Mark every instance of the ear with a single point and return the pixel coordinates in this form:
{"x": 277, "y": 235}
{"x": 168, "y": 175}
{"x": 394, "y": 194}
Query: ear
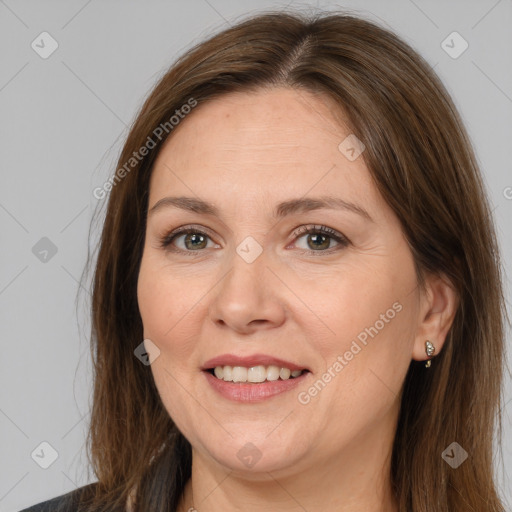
{"x": 438, "y": 305}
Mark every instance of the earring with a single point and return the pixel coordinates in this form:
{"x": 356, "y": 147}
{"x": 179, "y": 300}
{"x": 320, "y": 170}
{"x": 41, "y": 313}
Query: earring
{"x": 429, "y": 349}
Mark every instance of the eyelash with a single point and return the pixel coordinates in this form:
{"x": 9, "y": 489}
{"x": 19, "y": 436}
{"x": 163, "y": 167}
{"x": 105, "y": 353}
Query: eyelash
{"x": 166, "y": 241}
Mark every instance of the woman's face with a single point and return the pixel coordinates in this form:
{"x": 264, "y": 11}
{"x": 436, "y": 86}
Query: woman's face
{"x": 249, "y": 288}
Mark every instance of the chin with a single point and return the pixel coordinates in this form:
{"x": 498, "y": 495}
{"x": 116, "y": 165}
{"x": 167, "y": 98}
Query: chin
{"x": 255, "y": 459}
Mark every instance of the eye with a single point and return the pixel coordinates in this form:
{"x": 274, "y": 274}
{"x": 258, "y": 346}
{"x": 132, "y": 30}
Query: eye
{"x": 193, "y": 240}
{"x": 319, "y": 238}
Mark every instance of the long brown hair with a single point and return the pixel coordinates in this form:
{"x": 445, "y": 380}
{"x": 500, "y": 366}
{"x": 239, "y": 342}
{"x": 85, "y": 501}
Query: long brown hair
{"x": 422, "y": 162}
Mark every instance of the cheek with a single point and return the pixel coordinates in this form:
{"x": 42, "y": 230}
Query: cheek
{"x": 371, "y": 325}
{"x": 166, "y": 313}
{"x": 153, "y": 302}
{"x": 353, "y": 305}
{"x": 365, "y": 363}
{"x": 166, "y": 308}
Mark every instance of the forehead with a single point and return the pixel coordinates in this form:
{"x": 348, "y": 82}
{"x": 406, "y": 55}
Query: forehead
{"x": 277, "y": 121}
{"x": 270, "y": 144}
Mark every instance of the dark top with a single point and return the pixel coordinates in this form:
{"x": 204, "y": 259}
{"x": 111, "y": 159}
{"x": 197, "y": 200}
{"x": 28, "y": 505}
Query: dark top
{"x": 63, "y": 503}
{"x": 47, "y": 506}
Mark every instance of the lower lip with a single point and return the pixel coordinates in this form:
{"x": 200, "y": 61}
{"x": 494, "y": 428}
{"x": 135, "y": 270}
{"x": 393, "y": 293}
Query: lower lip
{"x": 257, "y": 392}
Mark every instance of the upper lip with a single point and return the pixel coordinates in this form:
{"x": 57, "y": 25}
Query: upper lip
{"x": 250, "y": 361}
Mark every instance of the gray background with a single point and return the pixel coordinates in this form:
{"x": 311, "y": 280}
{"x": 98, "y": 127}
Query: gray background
{"x": 62, "y": 123}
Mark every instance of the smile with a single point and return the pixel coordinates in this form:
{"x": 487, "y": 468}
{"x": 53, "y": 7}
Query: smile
{"x": 254, "y": 374}
{"x": 252, "y": 378}
{"x": 243, "y": 390}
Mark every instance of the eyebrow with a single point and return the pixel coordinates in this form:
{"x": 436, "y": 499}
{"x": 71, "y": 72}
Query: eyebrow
{"x": 283, "y": 209}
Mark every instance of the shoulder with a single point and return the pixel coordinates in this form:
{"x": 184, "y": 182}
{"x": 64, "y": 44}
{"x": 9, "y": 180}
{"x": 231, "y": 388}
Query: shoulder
{"x": 67, "y": 502}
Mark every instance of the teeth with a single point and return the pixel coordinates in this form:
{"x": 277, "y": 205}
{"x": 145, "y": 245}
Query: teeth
{"x": 254, "y": 374}
{"x": 239, "y": 374}
{"x": 227, "y": 373}
{"x": 273, "y": 373}
{"x": 284, "y": 373}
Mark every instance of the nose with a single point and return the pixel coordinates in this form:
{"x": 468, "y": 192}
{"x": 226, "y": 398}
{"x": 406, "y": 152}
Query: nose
{"x": 248, "y": 297}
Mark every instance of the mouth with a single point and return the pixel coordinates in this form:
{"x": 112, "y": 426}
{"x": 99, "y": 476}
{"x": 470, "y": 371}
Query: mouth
{"x": 254, "y": 374}
{"x": 252, "y": 378}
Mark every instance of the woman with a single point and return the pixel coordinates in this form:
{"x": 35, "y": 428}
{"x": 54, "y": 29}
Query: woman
{"x": 297, "y": 300}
